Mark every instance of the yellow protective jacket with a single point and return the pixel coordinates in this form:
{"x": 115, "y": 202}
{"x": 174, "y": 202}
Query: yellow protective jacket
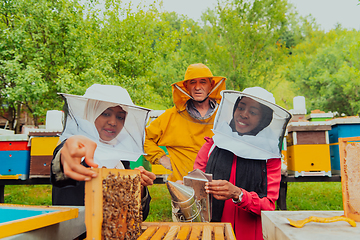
{"x": 181, "y": 134}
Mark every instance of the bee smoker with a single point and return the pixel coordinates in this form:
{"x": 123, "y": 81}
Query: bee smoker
{"x": 190, "y": 201}
{"x": 197, "y": 179}
{"x": 185, "y": 208}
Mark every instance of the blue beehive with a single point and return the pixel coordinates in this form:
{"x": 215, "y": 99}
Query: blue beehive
{"x": 14, "y": 156}
{"x": 341, "y": 128}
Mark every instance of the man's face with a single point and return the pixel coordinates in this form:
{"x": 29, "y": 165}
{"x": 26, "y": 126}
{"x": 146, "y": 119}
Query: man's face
{"x": 199, "y": 88}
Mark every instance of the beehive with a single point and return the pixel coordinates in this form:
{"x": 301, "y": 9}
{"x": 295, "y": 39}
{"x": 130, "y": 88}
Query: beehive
{"x": 350, "y": 177}
{"x": 113, "y": 205}
{"x": 41, "y": 152}
{"x": 186, "y": 231}
{"x": 14, "y": 156}
{"x": 341, "y": 128}
{"x": 308, "y": 152}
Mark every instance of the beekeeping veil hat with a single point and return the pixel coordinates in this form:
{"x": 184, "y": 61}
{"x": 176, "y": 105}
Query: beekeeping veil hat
{"x": 262, "y": 143}
{"x": 84, "y": 110}
{"x": 181, "y": 94}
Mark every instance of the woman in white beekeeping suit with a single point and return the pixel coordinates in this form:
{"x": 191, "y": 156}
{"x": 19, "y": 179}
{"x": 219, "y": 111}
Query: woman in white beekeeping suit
{"x": 103, "y": 129}
{"x": 244, "y": 157}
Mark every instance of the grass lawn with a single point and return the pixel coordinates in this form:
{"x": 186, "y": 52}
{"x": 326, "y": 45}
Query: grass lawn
{"x": 28, "y": 194}
{"x": 314, "y": 196}
{"x": 300, "y": 196}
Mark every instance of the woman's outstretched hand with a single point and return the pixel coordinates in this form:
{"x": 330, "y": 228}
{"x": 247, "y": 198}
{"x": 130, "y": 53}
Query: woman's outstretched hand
{"x": 222, "y": 190}
{"x": 75, "y": 148}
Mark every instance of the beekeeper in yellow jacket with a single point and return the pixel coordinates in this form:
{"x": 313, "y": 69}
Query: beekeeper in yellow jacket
{"x": 182, "y": 128}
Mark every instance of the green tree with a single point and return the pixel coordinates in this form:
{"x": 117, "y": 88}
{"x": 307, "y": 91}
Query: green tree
{"x": 243, "y": 40}
{"x": 22, "y": 87}
{"x": 325, "y": 69}
{"x": 40, "y": 41}
{"x": 191, "y": 48}
{"x": 126, "y": 46}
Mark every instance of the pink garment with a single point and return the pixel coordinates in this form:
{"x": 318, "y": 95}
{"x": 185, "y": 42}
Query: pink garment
{"x": 245, "y": 217}
{"x": 203, "y": 155}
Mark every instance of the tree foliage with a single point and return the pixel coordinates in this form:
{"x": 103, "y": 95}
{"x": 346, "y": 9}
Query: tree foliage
{"x": 326, "y": 70}
{"x": 243, "y": 39}
{"x": 40, "y": 39}
{"x": 49, "y": 46}
{"x": 59, "y": 46}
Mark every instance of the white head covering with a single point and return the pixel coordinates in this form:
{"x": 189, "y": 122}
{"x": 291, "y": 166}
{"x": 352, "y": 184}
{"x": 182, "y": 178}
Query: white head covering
{"x": 266, "y": 143}
{"x": 84, "y": 110}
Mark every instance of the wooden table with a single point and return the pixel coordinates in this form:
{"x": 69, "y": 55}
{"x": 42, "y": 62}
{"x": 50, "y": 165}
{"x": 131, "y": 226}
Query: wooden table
{"x": 281, "y": 202}
{"x": 276, "y": 227}
{"x": 31, "y": 181}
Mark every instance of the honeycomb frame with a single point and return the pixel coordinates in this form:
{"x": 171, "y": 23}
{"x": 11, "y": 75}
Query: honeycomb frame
{"x": 113, "y": 204}
{"x": 349, "y": 149}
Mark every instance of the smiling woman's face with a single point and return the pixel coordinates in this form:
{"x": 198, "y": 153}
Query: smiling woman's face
{"x": 110, "y": 122}
{"x": 247, "y": 115}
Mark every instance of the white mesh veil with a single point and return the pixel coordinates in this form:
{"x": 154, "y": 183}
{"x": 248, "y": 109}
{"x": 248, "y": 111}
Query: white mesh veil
{"x": 84, "y": 110}
{"x": 262, "y": 145}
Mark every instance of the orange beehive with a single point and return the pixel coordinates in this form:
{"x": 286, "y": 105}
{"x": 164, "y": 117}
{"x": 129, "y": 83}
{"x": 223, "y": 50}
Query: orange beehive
{"x": 350, "y": 176}
{"x": 113, "y": 205}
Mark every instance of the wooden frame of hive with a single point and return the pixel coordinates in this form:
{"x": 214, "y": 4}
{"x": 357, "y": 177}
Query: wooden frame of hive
{"x": 350, "y": 176}
{"x": 102, "y": 196}
{"x": 186, "y": 231}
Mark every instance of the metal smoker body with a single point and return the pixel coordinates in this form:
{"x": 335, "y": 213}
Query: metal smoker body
{"x": 190, "y": 201}
{"x": 185, "y": 207}
{"x": 196, "y": 179}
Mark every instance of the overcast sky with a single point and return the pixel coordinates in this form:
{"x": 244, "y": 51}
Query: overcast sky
{"x": 326, "y": 12}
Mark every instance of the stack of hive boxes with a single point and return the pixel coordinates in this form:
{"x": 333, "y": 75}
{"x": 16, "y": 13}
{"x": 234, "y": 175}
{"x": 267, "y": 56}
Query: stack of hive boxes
{"x": 14, "y": 156}
{"x": 308, "y": 149}
{"x": 42, "y": 148}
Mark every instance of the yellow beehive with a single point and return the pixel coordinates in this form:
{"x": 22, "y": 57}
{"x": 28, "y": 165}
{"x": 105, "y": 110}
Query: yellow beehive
{"x": 309, "y": 158}
{"x": 41, "y": 153}
{"x": 160, "y": 170}
{"x": 308, "y": 151}
{"x": 43, "y": 146}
